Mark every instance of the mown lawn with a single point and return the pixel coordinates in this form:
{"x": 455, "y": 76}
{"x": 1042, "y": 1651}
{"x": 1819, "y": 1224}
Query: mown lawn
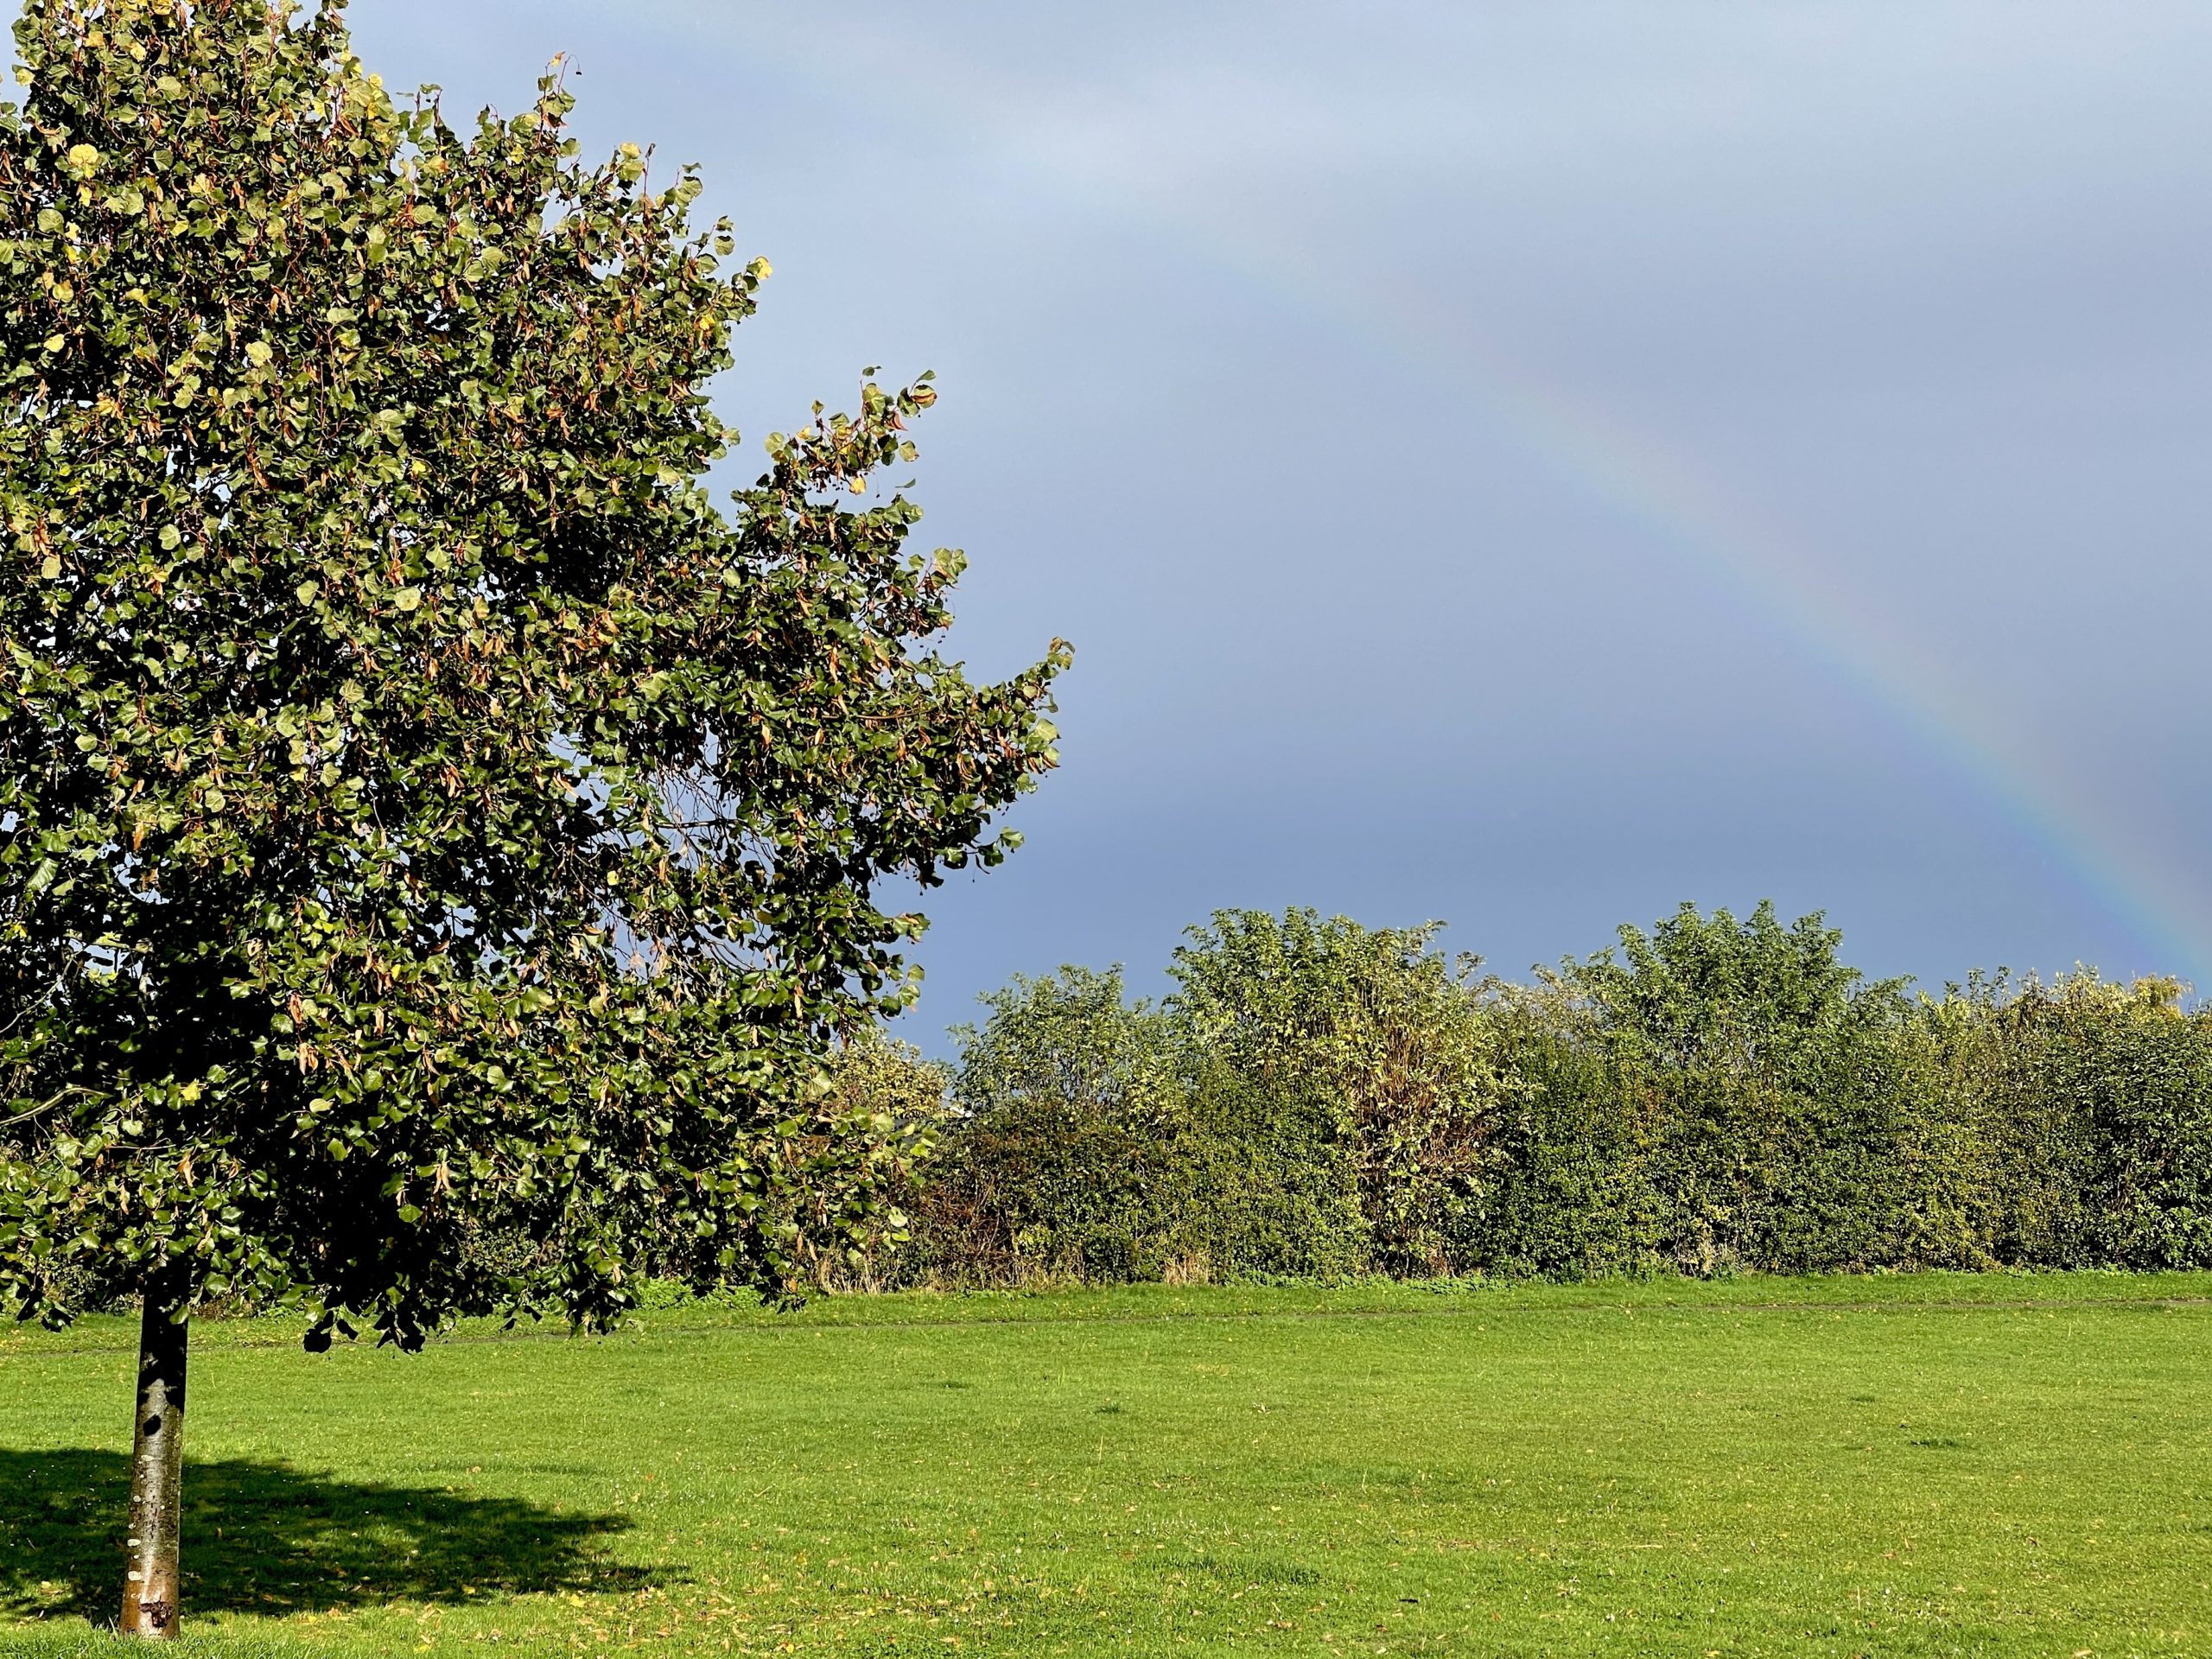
{"x": 1931, "y": 1465}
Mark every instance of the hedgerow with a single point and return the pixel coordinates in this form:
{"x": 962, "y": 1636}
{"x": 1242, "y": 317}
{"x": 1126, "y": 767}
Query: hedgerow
{"x": 1715, "y": 1096}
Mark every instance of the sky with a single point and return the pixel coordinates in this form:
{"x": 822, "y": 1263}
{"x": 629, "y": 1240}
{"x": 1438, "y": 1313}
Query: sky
{"x": 1520, "y": 466}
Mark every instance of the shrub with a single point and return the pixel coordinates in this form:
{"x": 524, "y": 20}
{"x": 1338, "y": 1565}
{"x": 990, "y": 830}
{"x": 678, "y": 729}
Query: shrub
{"x": 1092, "y": 1141}
{"x": 2119, "y": 1081}
{"x": 1721, "y": 1094}
{"x": 1380, "y": 1037}
{"x": 1060, "y": 1160}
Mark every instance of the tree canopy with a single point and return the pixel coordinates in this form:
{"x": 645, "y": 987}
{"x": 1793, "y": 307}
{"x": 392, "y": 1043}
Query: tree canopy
{"x": 423, "y": 807}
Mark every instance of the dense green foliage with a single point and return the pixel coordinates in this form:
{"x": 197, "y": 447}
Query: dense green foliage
{"x": 1378, "y": 1039}
{"x": 1716, "y": 1094}
{"x": 423, "y": 812}
{"x": 1092, "y": 1141}
{"x": 1907, "y": 1466}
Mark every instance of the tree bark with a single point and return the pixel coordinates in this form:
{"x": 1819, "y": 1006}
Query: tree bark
{"x": 151, "y": 1591}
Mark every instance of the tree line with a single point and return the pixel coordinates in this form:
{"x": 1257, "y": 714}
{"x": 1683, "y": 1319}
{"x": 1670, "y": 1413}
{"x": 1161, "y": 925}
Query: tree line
{"x": 1714, "y": 1095}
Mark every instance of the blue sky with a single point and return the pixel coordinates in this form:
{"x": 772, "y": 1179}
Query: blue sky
{"x": 1520, "y": 465}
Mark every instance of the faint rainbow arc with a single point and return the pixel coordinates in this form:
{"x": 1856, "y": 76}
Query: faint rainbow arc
{"x": 2154, "y": 896}
{"x": 1643, "y": 480}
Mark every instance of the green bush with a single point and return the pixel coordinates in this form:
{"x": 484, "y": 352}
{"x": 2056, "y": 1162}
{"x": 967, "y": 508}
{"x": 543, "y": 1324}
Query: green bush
{"x": 1092, "y": 1141}
{"x": 2124, "y": 1079}
{"x": 1373, "y": 1036}
{"x": 1721, "y": 1095}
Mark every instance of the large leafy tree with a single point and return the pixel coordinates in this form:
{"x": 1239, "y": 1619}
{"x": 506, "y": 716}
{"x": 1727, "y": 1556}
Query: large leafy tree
{"x": 422, "y": 809}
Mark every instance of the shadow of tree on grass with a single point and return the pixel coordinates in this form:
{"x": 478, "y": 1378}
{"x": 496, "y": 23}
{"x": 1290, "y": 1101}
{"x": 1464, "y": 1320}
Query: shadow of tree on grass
{"x": 265, "y": 1538}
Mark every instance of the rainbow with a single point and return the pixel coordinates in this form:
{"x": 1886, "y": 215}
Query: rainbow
{"x": 2109, "y": 857}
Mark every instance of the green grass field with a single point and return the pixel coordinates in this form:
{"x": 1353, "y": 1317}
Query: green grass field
{"x": 1929, "y": 1465}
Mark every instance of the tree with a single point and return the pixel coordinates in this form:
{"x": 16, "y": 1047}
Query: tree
{"x": 422, "y": 809}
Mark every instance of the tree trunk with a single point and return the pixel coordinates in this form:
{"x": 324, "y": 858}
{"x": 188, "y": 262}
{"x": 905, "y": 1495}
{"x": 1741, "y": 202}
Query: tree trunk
{"x": 150, "y": 1592}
